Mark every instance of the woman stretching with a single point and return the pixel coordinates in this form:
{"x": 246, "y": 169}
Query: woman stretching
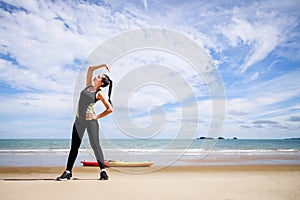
{"x": 87, "y": 119}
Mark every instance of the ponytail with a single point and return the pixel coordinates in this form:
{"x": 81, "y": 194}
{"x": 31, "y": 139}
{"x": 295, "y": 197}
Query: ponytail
{"x": 107, "y": 81}
{"x": 109, "y": 91}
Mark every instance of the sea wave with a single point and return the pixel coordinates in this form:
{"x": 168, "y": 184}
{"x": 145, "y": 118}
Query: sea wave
{"x": 157, "y": 151}
{"x": 38, "y": 151}
{"x": 204, "y": 151}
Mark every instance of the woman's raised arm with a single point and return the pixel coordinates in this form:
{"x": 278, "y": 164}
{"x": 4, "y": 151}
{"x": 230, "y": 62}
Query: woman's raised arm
{"x": 90, "y": 71}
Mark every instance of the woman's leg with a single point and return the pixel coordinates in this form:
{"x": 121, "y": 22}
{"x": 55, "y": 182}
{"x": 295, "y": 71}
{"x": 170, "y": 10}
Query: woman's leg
{"x": 77, "y": 134}
{"x": 93, "y": 132}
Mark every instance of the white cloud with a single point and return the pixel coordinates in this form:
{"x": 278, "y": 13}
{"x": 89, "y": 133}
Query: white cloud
{"x": 47, "y": 44}
{"x": 43, "y": 45}
{"x": 262, "y": 35}
{"x": 146, "y": 4}
{"x": 36, "y": 128}
{"x": 254, "y": 76}
{"x": 53, "y": 35}
{"x": 273, "y": 100}
{"x": 36, "y": 115}
{"x": 35, "y": 105}
{"x": 276, "y": 90}
{"x": 58, "y": 80}
{"x": 255, "y": 29}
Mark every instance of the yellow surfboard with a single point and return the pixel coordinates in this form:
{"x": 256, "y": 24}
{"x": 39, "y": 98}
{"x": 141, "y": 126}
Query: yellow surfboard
{"x": 119, "y": 163}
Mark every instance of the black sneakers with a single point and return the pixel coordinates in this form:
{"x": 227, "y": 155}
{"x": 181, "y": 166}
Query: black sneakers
{"x": 103, "y": 175}
{"x": 68, "y": 176}
{"x": 65, "y": 176}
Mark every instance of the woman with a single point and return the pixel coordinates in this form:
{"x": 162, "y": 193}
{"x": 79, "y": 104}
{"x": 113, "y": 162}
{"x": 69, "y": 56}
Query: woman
{"x": 87, "y": 119}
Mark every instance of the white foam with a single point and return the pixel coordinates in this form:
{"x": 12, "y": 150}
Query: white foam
{"x": 158, "y": 151}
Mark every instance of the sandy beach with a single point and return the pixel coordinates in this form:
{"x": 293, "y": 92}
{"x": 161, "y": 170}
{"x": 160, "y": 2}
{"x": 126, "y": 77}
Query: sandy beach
{"x": 182, "y": 182}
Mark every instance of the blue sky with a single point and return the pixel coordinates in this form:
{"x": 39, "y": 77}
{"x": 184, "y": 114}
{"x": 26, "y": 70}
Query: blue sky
{"x": 254, "y": 44}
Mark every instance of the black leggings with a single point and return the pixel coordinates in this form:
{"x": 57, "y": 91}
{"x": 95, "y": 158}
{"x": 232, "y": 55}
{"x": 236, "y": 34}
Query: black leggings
{"x": 79, "y": 127}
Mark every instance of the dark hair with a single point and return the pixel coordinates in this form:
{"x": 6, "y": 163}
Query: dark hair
{"x": 107, "y": 81}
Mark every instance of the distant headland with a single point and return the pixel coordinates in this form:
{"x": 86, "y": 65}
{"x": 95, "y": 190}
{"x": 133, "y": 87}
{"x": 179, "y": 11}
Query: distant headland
{"x": 211, "y": 138}
{"x": 292, "y": 138}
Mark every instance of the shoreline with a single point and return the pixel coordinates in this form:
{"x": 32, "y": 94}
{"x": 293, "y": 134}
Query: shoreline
{"x": 195, "y": 168}
{"x": 53, "y": 160}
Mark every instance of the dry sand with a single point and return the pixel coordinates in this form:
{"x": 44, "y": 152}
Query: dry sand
{"x": 204, "y": 182}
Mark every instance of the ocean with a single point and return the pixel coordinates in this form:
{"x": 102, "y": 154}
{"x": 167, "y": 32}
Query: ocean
{"x": 164, "y": 152}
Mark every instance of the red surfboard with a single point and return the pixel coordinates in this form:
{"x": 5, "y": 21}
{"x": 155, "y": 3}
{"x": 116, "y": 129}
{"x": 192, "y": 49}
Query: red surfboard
{"x": 118, "y": 163}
